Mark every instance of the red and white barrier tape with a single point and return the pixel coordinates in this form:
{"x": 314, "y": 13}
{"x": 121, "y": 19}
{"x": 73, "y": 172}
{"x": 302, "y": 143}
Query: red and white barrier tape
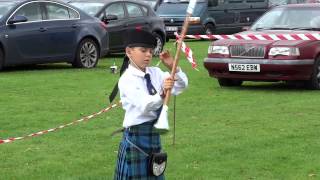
{"x": 188, "y": 52}
{"x": 291, "y": 37}
{"x": 2, "y": 141}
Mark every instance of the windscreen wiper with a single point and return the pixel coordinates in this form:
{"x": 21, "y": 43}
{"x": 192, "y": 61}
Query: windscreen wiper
{"x": 307, "y": 28}
{"x": 273, "y": 28}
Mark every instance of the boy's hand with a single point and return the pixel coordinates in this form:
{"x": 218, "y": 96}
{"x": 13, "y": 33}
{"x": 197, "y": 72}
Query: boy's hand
{"x": 166, "y": 59}
{"x": 168, "y": 83}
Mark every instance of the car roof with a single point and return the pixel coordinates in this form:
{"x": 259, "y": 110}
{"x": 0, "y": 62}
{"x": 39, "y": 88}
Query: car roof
{"x": 107, "y": 1}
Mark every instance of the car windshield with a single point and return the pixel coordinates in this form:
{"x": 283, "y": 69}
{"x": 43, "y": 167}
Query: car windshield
{"x": 283, "y": 2}
{"x": 289, "y": 18}
{"x": 91, "y": 8}
{"x": 5, "y": 7}
{"x": 176, "y": 7}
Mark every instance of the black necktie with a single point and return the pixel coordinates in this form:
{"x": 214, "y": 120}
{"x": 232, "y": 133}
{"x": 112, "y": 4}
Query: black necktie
{"x": 151, "y": 89}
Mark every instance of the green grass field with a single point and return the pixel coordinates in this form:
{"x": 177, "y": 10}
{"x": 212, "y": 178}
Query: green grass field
{"x": 257, "y": 131}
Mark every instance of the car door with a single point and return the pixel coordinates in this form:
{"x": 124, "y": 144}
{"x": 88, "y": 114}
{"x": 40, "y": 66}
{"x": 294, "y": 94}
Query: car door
{"x": 222, "y": 11}
{"x": 116, "y": 28}
{"x": 61, "y": 26}
{"x": 136, "y": 18}
{"x": 27, "y": 40}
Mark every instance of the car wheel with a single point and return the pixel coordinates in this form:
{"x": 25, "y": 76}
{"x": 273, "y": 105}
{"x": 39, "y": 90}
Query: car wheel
{"x": 314, "y": 82}
{"x": 209, "y": 29}
{"x": 1, "y": 59}
{"x": 87, "y": 54}
{"x": 229, "y": 82}
{"x": 158, "y": 49}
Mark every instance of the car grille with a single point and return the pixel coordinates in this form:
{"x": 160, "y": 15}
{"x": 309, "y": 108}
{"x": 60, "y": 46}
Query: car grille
{"x": 167, "y": 22}
{"x": 247, "y": 51}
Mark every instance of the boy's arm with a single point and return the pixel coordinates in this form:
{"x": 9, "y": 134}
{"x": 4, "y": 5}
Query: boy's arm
{"x": 180, "y": 77}
{"x": 181, "y": 81}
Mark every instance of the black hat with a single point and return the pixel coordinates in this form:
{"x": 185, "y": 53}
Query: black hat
{"x": 140, "y": 38}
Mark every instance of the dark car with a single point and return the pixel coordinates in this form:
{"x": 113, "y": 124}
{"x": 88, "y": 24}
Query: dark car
{"x": 123, "y": 15}
{"x": 36, "y": 31}
{"x": 235, "y": 61}
{"x": 154, "y": 4}
{"x": 211, "y": 16}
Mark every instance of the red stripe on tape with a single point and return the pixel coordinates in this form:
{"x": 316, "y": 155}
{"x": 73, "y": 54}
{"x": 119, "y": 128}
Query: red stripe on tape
{"x": 311, "y": 37}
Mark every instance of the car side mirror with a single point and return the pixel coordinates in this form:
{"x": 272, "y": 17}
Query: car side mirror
{"x": 109, "y": 17}
{"x": 17, "y": 19}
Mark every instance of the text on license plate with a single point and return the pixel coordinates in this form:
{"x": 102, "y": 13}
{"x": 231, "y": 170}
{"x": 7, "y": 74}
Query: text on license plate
{"x": 244, "y": 67}
{"x": 171, "y": 28}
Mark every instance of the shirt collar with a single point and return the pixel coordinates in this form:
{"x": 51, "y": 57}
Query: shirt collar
{"x": 136, "y": 71}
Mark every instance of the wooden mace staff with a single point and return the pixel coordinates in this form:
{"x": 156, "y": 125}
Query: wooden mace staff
{"x": 162, "y": 123}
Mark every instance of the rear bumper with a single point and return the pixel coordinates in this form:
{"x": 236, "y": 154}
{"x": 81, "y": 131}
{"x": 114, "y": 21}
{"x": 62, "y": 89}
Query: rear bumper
{"x": 270, "y": 70}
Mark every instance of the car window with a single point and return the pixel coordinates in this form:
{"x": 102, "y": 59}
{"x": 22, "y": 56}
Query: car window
{"x": 145, "y": 10}
{"x": 31, "y": 11}
{"x": 134, "y": 10}
{"x": 73, "y": 14}
{"x": 5, "y": 7}
{"x": 115, "y": 9}
{"x": 57, "y": 11}
{"x": 92, "y": 8}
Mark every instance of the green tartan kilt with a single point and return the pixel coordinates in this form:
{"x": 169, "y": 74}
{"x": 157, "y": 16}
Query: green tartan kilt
{"x": 133, "y": 164}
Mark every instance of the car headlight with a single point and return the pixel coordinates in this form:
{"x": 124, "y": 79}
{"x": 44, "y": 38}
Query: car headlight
{"x": 284, "y": 51}
{"x": 194, "y": 20}
{"x": 218, "y": 50}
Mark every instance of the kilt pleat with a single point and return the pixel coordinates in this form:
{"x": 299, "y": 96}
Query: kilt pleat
{"x": 133, "y": 164}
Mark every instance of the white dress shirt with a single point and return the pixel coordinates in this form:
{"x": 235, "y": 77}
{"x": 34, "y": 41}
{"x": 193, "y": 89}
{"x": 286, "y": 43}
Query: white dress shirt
{"x": 141, "y": 107}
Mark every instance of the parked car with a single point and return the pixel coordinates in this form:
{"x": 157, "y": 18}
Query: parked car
{"x": 123, "y": 15}
{"x": 211, "y": 16}
{"x": 154, "y": 4}
{"x": 46, "y": 31}
{"x": 235, "y": 61}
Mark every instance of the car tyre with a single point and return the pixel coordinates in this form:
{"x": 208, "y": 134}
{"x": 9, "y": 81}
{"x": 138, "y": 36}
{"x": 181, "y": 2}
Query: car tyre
{"x": 314, "y": 82}
{"x": 160, "y": 43}
{"x": 1, "y": 59}
{"x": 87, "y": 54}
{"x": 209, "y": 29}
{"x": 229, "y": 82}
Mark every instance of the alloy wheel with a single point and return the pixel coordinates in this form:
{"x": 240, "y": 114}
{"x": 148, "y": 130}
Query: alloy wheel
{"x": 318, "y": 75}
{"x": 88, "y": 55}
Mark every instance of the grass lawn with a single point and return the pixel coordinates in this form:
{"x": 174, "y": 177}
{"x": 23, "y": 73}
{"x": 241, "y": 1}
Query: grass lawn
{"x": 256, "y": 131}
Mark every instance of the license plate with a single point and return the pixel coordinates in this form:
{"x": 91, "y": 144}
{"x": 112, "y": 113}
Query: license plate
{"x": 244, "y": 67}
{"x": 171, "y": 28}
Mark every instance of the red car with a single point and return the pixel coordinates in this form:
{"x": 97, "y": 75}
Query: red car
{"x": 235, "y": 61}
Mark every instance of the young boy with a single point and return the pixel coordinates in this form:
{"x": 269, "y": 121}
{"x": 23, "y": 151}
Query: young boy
{"x": 142, "y": 89}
